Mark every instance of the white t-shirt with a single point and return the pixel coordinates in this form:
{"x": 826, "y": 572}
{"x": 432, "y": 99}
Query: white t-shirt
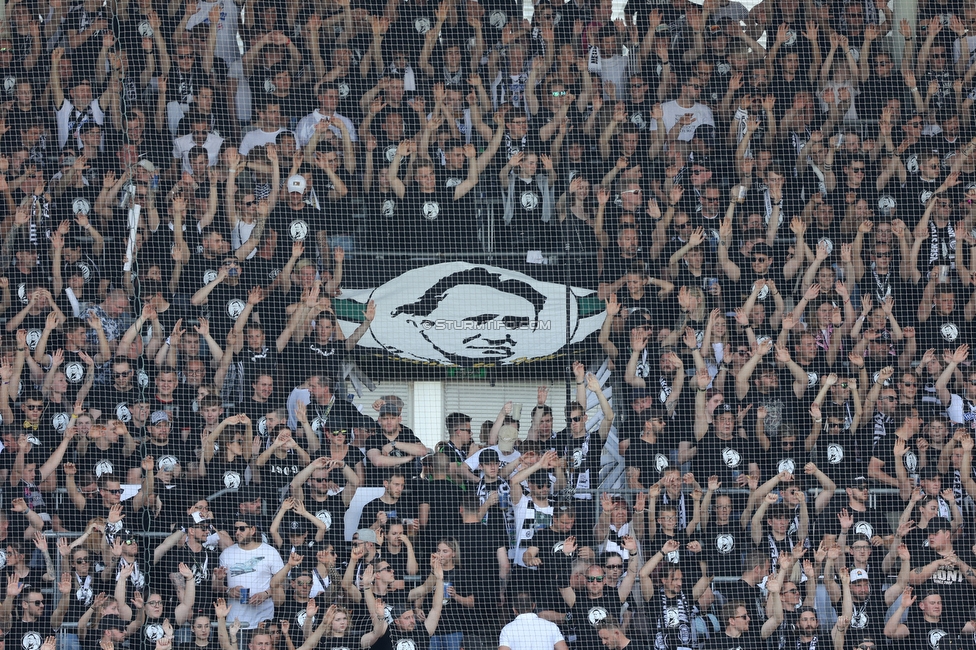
{"x": 305, "y": 128}
{"x": 251, "y": 570}
{"x": 227, "y": 27}
{"x": 183, "y": 145}
{"x": 529, "y": 632}
{"x": 672, "y": 111}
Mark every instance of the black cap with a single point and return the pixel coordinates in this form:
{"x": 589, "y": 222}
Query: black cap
{"x": 488, "y": 456}
{"x": 112, "y": 622}
{"x": 639, "y": 393}
{"x": 297, "y": 527}
{"x": 936, "y": 524}
{"x": 248, "y": 520}
{"x": 859, "y": 482}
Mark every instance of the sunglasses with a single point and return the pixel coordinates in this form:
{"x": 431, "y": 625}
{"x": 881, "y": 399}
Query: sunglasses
{"x": 613, "y": 566}
{"x": 558, "y": 93}
{"x": 81, "y": 560}
{"x": 241, "y": 527}
{"x": 892, "y": 398}
{"x": 116, "y": 491}
{"x": 594, "y": 578}
{"x": 576, "y": 418}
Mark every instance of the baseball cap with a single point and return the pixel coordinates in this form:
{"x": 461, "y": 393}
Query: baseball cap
{"x": 147, "y": 165}
{"x": 248, "y": 520}
{"x": 248, "y": 494}
{"x": 297, "y": 527}
{"x": 389, "y": 409}
{"x": 112, "y": 622}
{"x": 297, "y": 184}
{"x": 366, "y": 535}
{"x": 394, "y": 401}
{"x": 488, "y": 456}
{"x": 159, "y": 416}
{"x": 507, "y": 436}
{"x": 639, "y": 393}
{"x": 859, "y": 482}
{"x": 858, "y": 574}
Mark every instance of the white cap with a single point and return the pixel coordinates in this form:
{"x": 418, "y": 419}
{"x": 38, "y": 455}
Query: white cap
{"x": 297, "y": 184}
{"x": 858, "y": 574}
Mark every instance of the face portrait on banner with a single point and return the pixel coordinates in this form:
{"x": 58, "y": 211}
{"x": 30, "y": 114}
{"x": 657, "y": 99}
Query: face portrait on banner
{"x": 460, "y": 314}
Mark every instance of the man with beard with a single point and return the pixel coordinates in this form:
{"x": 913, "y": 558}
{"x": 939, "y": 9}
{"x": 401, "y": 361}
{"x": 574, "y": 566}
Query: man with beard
{"x": 197, "y": 549}
{"x": 250, "y": 564}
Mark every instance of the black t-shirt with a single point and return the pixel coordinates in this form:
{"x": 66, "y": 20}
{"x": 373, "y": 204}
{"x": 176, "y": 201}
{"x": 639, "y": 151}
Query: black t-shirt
{"x": 224, "y": 304}
{"x": 870, "y": 523}
{"x": 869, "y": 617}
{"x": 722, "y": 641}
{"x": 30, "y": 635}
{"x": 839, "y": 455}
{"x": 926, "y": 636}
{"x": 725, "y": 458}
{"x": 107, "y": 461}
{"x": 950, "y": 583}
{"x": 395, "y": 638}
{"x": 884, "y": 450}
{"x": 650, "y": 458}
{"x": 202, "y": 564}
{"x": 399, "y": 510}
{"x": 587, "y": 612}
{"x": 944, "y": 331}
{"x": 427, "y": 220}
{"x": 316, "y": 358}
{"x": 442, "y": 497}
{"x": 723, "y": 547}
{"x": 376, "y": 475}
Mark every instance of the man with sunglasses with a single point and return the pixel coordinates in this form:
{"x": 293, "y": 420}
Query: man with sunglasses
{"x": 596, "y": 603}
{"x": 331, "y": 487}
{"x": 195, "y": 545}
{"x": 580, "y": 449}
{"x": 250, "y": 564}
{"x": 856, "y": 517}
{"x": 30, "y": 624}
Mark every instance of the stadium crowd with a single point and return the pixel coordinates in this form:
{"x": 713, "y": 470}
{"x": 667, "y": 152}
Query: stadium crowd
{"x": 776, "y": 205}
